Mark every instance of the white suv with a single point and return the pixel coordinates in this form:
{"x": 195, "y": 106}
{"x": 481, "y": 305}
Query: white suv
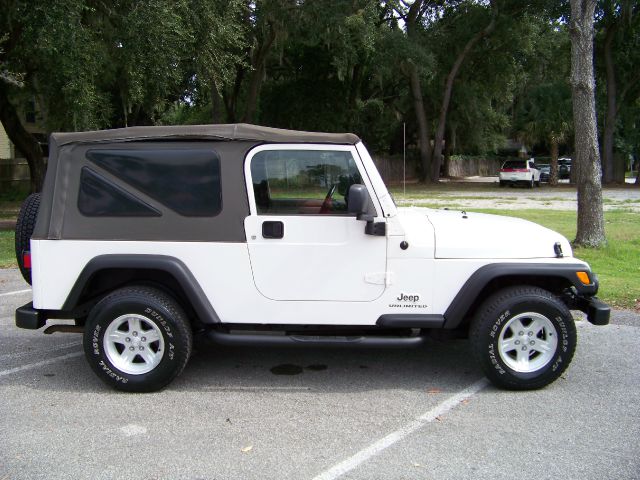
{"x": 520, "y": 172}
{"x": 147, "y": 236}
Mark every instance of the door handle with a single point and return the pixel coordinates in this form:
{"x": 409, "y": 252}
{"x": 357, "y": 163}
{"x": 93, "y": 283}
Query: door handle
{"x": 273, "y": 229}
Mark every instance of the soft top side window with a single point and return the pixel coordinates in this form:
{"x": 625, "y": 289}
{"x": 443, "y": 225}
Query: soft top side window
{"x": 185, "y": 180}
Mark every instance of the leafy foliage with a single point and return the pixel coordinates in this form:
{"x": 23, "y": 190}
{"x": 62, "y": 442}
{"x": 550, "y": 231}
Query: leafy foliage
{"x": 335, "y": 65}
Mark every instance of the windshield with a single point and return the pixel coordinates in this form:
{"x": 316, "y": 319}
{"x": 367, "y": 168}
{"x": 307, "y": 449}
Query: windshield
{"x": 515, "y": 164}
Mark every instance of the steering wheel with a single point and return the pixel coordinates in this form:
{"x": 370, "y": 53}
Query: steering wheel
{"x": 327, "y": 203}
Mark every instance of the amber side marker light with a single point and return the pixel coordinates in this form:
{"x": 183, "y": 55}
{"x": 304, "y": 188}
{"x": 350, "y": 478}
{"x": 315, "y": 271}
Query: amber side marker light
{"x": 584, "y": 278}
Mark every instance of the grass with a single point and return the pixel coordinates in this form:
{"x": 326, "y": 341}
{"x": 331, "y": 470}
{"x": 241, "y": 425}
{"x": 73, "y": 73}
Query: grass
{"x": 629, "y": 201}
{"x": 617, "y": 264}
{"x": 7, "y": 250}
{"x": 552, "y": 199}
{"x": 419, "y": 190}
{"x": 447, "y": 197}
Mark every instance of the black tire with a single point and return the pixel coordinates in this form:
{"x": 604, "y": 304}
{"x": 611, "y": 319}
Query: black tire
{"x": 530, "y": 185}
{"x": 158, "y": 315}
{"x": 24, "y": 229}
{"x": 515, "y": 307}
{"x": 502, "y": 184}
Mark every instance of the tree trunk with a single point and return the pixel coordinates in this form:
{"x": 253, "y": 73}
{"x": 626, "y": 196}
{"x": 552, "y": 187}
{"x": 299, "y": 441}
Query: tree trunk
{"x": 255, "y": 84}
{"x": 610, "y": 117}
{"x": 448, "y": 143}
{"x": 448, "y": 89}
{"x": 22, "y": 139}
{"x": 424, "y": 131}
{"x": 573, "y": 173}
{"x": 424, "y": 134}
{"x": 259, "y": 62}
{"x": 587, "y": 155}
{"x": 355, "y": 86}
{"x": 619, "y": 167}
{"x": 216, "y": 104}
{"x": 231, "y": 97}
{"x": 553, "y": 171}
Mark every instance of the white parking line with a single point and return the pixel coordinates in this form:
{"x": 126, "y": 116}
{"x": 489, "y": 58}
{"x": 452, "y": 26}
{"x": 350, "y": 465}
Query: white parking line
{"x": 372, "y": 450}
{"x": 17, "y": 292}
{"x": 9, "y": 356}
{"x": 29, "y": 366}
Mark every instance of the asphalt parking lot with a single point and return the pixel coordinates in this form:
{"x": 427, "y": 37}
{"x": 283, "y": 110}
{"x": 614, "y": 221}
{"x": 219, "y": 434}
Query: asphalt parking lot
{"x": 324, "y": 413}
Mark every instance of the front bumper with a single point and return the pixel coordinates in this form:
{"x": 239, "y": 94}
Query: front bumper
{"x": 597, "y": 311}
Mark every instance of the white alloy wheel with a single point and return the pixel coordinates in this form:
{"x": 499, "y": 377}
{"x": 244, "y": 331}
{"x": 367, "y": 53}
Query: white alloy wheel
{"x": 133, "y": 344}
{"x": 528, "y": 342}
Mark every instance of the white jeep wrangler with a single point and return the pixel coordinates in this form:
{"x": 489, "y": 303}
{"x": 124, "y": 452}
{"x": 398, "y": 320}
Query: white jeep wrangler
{"x": 254, "y": 235}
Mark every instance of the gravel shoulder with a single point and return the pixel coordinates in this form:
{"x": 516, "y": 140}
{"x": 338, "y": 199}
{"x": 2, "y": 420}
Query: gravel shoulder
{"x": 483, "y": 194}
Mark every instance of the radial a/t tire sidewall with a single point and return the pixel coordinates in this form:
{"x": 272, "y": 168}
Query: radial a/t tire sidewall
{"x": 486, "y": 340}
{"x": 173, "y": 359}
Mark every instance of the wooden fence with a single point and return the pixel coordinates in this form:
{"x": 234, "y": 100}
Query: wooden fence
{"x": 392, "y": 170}
{"x": 474, "y": 166}
{"x": 14, "y": 174}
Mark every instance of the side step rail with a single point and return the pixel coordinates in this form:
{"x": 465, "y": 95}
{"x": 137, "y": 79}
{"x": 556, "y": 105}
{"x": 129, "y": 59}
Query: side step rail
{"x": 242, "y": 339}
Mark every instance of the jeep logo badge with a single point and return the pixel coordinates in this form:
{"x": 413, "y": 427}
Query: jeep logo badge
{"x": 403, "y": 297}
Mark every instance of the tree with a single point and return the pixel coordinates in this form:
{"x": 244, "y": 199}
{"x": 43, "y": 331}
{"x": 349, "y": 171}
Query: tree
{"x": 264, "y": 23}
{"x": 590, "y": 231}
{"x": 412, "y": 14}
{"x": 448, "y": 89}
{"x": 620, "y": 25}
{"x": 32, "y": 38}
{"x": 94, "y": 64}
{"x": 217, "y": 48}
{"x": 543, "y": 105}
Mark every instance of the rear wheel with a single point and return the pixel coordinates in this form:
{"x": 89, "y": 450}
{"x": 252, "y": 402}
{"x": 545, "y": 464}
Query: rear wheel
{"x": 137, "y": 339}
{"x": 523, "y": 338}
{"x": 24, "y": 229}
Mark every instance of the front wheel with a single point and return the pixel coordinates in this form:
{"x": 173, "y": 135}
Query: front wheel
{"x": 137, "y": 339}
{"x": 523, "y": 338}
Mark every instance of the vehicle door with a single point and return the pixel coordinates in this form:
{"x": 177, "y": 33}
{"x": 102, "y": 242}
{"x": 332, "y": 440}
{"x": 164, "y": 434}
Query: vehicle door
{"x": 303, "y": 243}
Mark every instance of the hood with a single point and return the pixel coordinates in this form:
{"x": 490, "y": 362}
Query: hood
{"x": 478, "y": 235}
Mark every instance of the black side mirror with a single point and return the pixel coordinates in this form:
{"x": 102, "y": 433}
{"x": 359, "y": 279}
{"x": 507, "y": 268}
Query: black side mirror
{"x": 358, "y": 200}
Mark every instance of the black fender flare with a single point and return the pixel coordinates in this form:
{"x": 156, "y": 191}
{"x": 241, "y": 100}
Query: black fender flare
{"x": 534, "y": 272}
{"x": 170, "y": 265}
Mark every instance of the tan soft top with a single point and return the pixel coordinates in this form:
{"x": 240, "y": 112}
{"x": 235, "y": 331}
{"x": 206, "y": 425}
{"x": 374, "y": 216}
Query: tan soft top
{"x": 60, "y": 218}
{"x": 236, "y": 131}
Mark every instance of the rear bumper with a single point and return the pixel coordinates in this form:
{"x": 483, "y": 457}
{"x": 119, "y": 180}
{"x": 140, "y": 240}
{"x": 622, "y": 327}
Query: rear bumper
{"x": 516, "y": 182}
{"x": 33, "y": 318}
{"x": 30, "y": 318}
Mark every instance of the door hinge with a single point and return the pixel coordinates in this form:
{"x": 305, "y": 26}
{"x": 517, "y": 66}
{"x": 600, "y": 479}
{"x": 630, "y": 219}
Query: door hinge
{"x": 378, "y": 229}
